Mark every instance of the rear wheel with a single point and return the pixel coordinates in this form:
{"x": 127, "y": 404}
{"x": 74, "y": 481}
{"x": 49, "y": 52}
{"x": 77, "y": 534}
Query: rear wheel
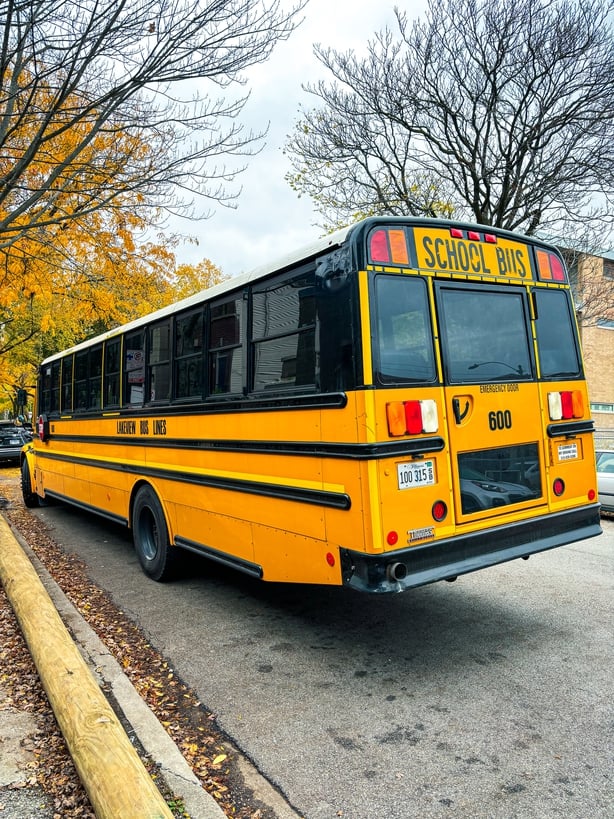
{"x": 30, "y": 498}
{"x": 150, "y": 533}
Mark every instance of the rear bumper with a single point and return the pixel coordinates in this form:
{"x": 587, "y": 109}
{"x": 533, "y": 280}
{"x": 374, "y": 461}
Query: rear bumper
{"x": 446, "y": 559}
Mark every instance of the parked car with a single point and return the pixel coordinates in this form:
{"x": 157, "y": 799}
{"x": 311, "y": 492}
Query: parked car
{"x": 479, "y": 492}
{"x": 605, "y": 479}
{"x": 12, "y": 438}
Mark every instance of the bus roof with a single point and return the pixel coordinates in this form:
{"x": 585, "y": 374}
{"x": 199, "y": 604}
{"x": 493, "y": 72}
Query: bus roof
{"x": 304, "y": 253}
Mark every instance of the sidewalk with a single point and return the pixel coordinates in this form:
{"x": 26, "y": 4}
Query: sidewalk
{"x": 17, "y": 728}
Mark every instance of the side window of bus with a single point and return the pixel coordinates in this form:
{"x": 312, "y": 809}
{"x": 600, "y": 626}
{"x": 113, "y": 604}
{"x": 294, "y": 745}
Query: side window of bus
{"x": 225, "y": 347}
{"x": 556, "y": 340}
{"x": 80, "y": 398}
{"x": 45, "y": 389}
{"x": 95, "y": 378}
{"x": 54, "y": 404}
{"x": 134, "y": 369}
{"x": 284, "y": 323}
{"x": 67, "y": 372}
{"x": 112, "y": 361}
{"x": 159, "y": 362}
{"x": 189, "y": 352}
{"x": 404, "y": 350}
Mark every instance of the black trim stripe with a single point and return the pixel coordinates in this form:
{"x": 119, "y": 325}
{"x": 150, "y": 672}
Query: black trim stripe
{"x": 232, "y": 403}
{"x": 317, "y": 449}
{"x": 317, "y": 497}
{"x": 87, "y": 507}
{"x": 245, "y": 566}
{"x": 570, "y": 428}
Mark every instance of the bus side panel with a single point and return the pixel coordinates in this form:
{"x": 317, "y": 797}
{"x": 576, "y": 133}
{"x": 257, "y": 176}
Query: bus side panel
{"x": 290, "y": 558}
{"x": 51, "y": 474}
{"x": 211, "y": 530}
{"x": 406, "y": 505}
{"x": 223, "y": 519}
{"x": 356, "y": 528}
{"x": 570, "y": 456}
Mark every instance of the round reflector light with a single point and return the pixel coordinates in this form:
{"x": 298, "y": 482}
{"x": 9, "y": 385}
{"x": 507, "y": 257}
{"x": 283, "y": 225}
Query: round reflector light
{"x": 330, "y": 559}
{"x": 592, "y": 494}
{"x": 392, "y": 537}
{"x": 439, "y": 510}
{"x": 558, "y": 487}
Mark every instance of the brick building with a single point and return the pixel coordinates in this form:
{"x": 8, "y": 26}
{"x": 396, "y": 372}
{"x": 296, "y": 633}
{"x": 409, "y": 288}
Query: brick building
{"x": 593, "y": 278}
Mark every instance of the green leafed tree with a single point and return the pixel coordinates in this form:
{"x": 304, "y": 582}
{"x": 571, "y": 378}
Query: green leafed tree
{"x": 495, "y": 112}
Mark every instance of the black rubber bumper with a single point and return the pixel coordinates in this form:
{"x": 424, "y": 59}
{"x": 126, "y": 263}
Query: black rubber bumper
{"x": 404, "y": 569}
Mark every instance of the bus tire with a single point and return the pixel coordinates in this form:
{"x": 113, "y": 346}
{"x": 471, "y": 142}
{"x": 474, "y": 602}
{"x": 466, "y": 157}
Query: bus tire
{"x": 150, "y": 535}
{"x": 30, "y": 498}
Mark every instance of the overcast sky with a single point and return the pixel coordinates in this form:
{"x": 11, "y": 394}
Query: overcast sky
{"x": 270, "y": 219}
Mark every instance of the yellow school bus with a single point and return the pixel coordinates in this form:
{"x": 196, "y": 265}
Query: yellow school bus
{"x": 401, "y": 402}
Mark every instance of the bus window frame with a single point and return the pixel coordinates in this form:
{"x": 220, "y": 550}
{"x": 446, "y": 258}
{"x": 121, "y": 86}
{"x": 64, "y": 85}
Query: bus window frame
{"x": 67, "y": 406}
{"x": 212, "y": 353}
{"x": 127, "y": 385}
{"x": 377, "y": 343}
{"x": 475, "y": 376}
{"x": 106, "y": 375}
{"x": 152, "y": 367}
{"x": 274, "y": 284}
{"x": 200, "y": 311}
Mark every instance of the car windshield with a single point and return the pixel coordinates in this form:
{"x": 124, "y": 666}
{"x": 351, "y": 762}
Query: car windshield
{"x": 605, "y": 462}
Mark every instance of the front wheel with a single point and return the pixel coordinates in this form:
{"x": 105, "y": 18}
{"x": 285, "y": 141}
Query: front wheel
{"x": 30, "y": 498}
{"x": 150, "y": 533}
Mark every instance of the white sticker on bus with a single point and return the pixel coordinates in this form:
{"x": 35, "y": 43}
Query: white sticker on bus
{"x": 568, "y": 452}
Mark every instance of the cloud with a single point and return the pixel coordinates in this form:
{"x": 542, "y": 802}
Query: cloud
{"x": 270, "y": 219}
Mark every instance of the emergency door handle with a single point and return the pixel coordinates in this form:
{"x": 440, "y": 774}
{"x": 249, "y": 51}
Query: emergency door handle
{"x": 456, "y": 407}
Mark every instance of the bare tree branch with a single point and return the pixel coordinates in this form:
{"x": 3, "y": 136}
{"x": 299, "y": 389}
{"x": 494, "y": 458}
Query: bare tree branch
{"x": 497, "y": 112}
{"x": 108, "y": 101}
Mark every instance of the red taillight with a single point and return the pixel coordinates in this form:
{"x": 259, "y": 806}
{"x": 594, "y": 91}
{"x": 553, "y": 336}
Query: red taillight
{"x": 413, "y": 417}
{"x": 566, "y": 404}
{"x": 378, "y": 246}
{"x": 330, "y": 558}
{"x": 592, "y": 494}
{"x": 388, "y": 246}
{"x": 549, "y": 267}
{"x": 392, "y": 538}
{"x": 558, "y": 271}
{"x": 439, "y": 510}
{"x": 558, "y": 487}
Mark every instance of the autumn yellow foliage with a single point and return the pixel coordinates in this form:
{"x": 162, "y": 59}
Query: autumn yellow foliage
{"x": 75, "y": 261}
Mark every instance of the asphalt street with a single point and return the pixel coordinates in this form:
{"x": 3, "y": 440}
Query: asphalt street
{"x": 489, "y": 697}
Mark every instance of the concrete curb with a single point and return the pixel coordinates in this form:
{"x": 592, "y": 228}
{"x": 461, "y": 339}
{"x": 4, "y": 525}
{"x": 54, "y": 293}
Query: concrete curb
{"x": 104, "y": 756}
{"x": 156, "y": 742}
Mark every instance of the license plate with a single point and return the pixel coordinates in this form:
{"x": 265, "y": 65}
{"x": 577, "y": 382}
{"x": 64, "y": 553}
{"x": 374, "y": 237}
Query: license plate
{"x": 415, "y": 473}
